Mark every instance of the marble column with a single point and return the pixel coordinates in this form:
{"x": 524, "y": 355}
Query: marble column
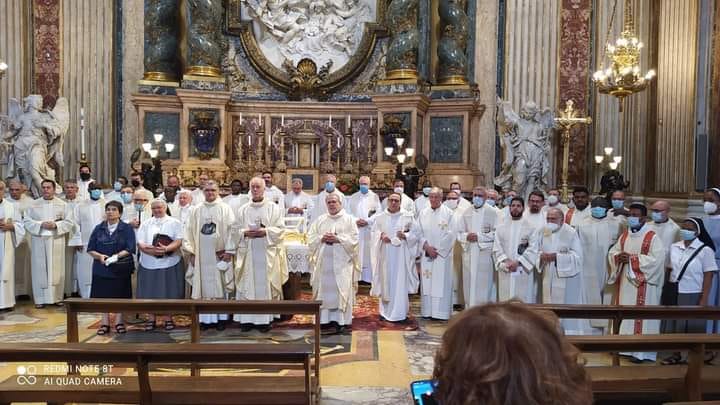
{"x": 485, "y": 75}
{"x": 573, "y": 79}
{"x": 204, "y": 19}
{"x": 161, "y": 40}
{"x": 451, "y": 48}
{"x": 46, "y": 41}
{"x": 402, "y": 54}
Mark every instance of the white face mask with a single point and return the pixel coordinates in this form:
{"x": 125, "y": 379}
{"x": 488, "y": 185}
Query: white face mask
{"x": 552, "y": 199}
{"x": 709, "y": 207}
{"x": 399, "y": 190}
{"x": 553, "y": 227}
{"x": 452, "y": 204}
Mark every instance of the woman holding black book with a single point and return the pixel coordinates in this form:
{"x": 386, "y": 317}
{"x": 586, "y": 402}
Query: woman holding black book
{"x": 160, "y": 273}
{"x": 112, "y": 245}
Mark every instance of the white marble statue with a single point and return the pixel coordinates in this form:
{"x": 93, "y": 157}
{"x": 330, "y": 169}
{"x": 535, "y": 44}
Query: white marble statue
{"x": 525, "y": 140}
{"x": 35, "y": 138}
{"x": 322, "y": 30}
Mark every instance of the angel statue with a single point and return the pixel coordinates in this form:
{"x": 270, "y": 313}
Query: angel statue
{"x": 35, "y": 138}
{"x": 525, "y": 141}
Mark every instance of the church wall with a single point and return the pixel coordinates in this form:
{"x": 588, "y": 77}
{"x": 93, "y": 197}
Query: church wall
{"x": 15, "y": 50}
{"x": 87, "y": 82}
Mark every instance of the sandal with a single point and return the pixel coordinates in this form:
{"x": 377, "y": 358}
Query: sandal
{"x": 120, "y": 328}
{"x": 149, "y": 326}
{"x": 672, "y": 360}
{"x": 103, "y": 330}
{"x": 169, "y": 325}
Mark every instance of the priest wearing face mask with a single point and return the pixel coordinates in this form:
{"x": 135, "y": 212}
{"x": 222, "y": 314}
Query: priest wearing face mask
{"x": 560, "y": 266}
{"x": 597, "y": 234}
{"x": 333, "y": 242}
{"x": 581, "y": 211}
{"x": 72, "y": 251}
{"x": 637, "y": 264}
{"x": 136, "y": 181}
{"x": 329, "y": 188}
{"x": 618, "y": 211}
{"x": 452, "y": 201}
{"x": 363, "y": 205}
{"x": 88, "y": 214}
{"x": 669, "y": 233}
{"x": 492, "y": 200}
{"x": 437, "y": 238}
{"x": 84, "y": 182}
{"x": 475, "y": 230}
{"x": 553, "y": 201}
{"x": 462, "y": 202}
{"x": 422, "y": 201}
{"x": 407, "y": 203}
{"x": 138, "y": 210}
{"x": 711, "y": 207}
{"x": 509, "y": 195}
{"x": 516, "y": 252}
{"x": 115, "y": 194}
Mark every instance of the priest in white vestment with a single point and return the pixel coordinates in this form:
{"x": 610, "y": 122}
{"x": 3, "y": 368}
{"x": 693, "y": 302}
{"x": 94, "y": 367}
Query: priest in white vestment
{"x": 299, "y": 203}
{"x": 437, "y": 240}
{"x": 669, "y": 233}
{"x": 319, "y": 206}
{"x": 581, "y": 211}
{"x": 515, "y": 252}
{"x": 392, "y": 253}
{"x": 618, "y": 211}
{"x": 560, "y": 265}
{"x": 363, "y": 205}
{"x": 463, "y": 204}
{"x": 407, "y": 203}
{"x": 637, "y": 263}
{"x": 260, "y": 261}
{"x": 23, "y": 283}
{"x": 236, "y": 198}
{"x": 198, "y": 193}
{"x": 272, "y": 192}
{"x": 115, "y": 194}
{"x": 597, "y": 235}
{"x": 74, "y": 246}
{"x": 138, "y": 211}
{"x": 475, "y": 230}
{"x": 12, "y": 234}
{"x": 208, "y": 233}
{"x": 84, "y": 181}
{"x": 182, "y": 207}
{"x": 88, "y": 214}
{"x": 333, "y": 242}
{"x": 534, "y": 214}
{"x": 137, "y": 180}
{"x": 48, "y": 221}
{"x": 423, "y": 201}
{"x": 553, "y": 201}
{"x": 452, "y": 201}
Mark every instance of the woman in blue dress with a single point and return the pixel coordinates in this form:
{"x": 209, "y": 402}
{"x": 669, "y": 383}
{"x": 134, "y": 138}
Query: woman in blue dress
{"x": 112, "y": 245}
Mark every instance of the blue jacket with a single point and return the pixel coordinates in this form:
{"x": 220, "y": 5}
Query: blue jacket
{"x": 103, "y": 242}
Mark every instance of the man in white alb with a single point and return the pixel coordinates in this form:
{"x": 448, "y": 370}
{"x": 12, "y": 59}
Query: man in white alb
{"x": 23, "y": 283}
{"x": 299, "y": 203}
{"x": 363, "y": 205}
{"x": 236, "y": 198}
{"x": 12, "y": 234}
{"x": 198, "y": 193}
{"x": 272, "y": 192}
{"x": 88, "y": 214}
{"x": 423, "y": 201}
{"x": 260, "y": 263}
{"x": 84, "y": 182}
{"x": 328, "y": 188}
{"x": 576, "y": 215}
{"x": 73, "y": 250}
{"x": 535, "y": 214}
{"x": 463, "y": 204}
{"x": 407, "y": 203}
{"x": 333, "y": 242}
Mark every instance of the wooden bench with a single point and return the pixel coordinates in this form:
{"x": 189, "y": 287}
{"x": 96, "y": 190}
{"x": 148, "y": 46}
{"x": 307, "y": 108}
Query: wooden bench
{"x": 689, "y": 382}
{"x": 143, "y": 389}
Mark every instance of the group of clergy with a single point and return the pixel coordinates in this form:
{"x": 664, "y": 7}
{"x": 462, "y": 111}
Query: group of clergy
{"x": 453, "y": 251}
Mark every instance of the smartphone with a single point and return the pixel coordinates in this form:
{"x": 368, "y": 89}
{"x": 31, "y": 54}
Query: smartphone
{"x": 423, "y": 392}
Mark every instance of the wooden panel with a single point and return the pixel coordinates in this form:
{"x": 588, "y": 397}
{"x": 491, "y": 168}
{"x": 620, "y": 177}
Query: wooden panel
{"x": 87, "y": 81}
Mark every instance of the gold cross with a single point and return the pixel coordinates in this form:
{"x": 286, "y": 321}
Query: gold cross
{"x": 568, "y": 118}
{"x": 427, "y": 273}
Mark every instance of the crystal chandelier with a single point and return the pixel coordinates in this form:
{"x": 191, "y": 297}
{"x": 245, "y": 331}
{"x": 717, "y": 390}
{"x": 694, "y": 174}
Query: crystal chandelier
{"x": 623, "y": 77}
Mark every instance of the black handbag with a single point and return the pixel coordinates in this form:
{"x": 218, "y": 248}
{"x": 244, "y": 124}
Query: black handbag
{"x": 670, "y": 289}
{"x": 125, "y": 264}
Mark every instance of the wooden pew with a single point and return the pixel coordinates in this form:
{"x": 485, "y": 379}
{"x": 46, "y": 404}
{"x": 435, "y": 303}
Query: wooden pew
{"x": 194, "y": 308}
{"x": 691, "y": 380}
{"x": 144, "y": 389}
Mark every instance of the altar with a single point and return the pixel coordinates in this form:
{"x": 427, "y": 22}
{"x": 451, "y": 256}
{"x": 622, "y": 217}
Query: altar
{"x": 347, "y": 88}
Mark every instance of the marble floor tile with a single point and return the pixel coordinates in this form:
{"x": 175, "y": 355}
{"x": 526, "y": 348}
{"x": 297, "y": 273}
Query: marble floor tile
{"x": 365, "y": 396}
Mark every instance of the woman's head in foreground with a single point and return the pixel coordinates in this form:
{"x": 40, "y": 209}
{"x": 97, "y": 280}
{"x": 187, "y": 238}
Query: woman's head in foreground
{"x": 506, "y": 354}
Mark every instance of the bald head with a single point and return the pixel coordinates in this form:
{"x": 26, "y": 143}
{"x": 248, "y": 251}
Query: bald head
{"x": 257, "y": 188}
{"x": 660, "y": 211}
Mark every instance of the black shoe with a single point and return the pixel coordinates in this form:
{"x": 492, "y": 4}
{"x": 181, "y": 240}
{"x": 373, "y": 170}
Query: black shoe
{"x": 204, "y": 326}
{"x": 263, "y": 328}
{"x": 363, "y": 283}
{"x": 246, "y": 327}
{"x": 339, "y": 329}
{"x": 220, "y": 326}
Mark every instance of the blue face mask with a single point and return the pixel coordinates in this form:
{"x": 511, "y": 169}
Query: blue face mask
{"x": 686, "y": 234}
{"x": 507, "y": 201}
{"x": 598, "y": 212}
{"x": 478, "y": 201}
{"x": 126, "y": 197}
{"x": 634, "y": 223}
{"x": 117, "y": 186}
{"x": 491, "y": 203}
{"x": 364, "y": 188}
{"x": 95, "y": 194}
{"x": 657, "y": 216}
{"x": 139, "y": 207}
{"x": 426, "y": 191}
{"x": 329, "y": 186}
{"x": 618, "y": 204}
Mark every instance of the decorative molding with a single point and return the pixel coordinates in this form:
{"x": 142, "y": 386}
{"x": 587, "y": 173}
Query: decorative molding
{"x": 46, "y": 59}
{"x": 573, "y": 79}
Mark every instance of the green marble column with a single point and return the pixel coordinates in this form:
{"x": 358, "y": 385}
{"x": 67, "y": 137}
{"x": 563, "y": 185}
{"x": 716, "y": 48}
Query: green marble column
{"x": 161, "y": 40}
{"x": 204, "y": 20}
{"x": 402, "y": 55}
{"x": 452, "y": 56}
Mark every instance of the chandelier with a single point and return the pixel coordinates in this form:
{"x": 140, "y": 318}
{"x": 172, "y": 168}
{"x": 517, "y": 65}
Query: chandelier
{"x": 623, "y": 77}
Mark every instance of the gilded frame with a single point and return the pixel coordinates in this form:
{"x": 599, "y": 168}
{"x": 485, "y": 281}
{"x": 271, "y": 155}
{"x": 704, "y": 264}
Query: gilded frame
{"x": 281, "y": 79}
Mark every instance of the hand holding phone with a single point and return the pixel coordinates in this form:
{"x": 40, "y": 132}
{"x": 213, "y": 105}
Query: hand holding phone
{"x": 423, "y": 392}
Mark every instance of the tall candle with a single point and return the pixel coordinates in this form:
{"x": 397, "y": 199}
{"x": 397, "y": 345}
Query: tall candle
{"x": 330, "y": 121}
{"x": 240, "y": 118}
{"x": 348, "y": 122}
{"x": 249, "y": 140}
{"x": 259, "y": 119}
{"x": 282, "y": 120}
{"x": 82, "y": 130}
{"x": 357, "y": 142}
